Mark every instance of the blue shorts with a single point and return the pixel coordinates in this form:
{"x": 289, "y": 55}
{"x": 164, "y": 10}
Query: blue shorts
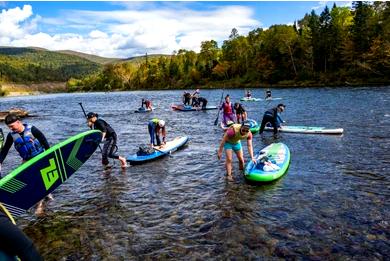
{"x": 231, "y": 146}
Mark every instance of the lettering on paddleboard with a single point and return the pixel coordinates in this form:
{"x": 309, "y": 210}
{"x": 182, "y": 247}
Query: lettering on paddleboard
{"x": 50, "y": 174}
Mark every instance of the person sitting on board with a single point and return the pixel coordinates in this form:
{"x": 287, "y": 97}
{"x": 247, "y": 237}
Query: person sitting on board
{"x": 271, "y": 116}
{"x": 240, "y": 112}
{"x": 231, "y": 141}
{"x": 109, "y": 138}
{"x": 248, "y": 94}
{"x": 268, "y": 94}
{"x": 228, "y": 110}
{"x": 186, "y": 98}
{"x": 148, "y": 104}
{"x": 155, "y": 128}
{"x": 28, "y": 141}
{"x": 13, "y": 242}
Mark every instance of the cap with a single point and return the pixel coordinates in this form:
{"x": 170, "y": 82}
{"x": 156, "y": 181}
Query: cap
{"x": 11, "y": 118}
{"x": 161, "y": 123}
{"x": 91, "y": 115}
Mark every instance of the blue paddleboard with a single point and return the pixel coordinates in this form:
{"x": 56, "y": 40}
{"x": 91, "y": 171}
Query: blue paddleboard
{"x": 35, "y": 179}
{"x": 169, "y": 147}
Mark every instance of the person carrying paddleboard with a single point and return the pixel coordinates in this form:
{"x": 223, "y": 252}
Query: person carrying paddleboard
{"x": 28, "y": 141}
{"x": 231, "y": 141}
{"x": 272, "y": 116}
{"x": 240, "y": 112}
{"x": 155, "y": 128}
{"x": 13, "y": 242}
{"x": 228, "y": 110}
{"x": 109, "y": 138}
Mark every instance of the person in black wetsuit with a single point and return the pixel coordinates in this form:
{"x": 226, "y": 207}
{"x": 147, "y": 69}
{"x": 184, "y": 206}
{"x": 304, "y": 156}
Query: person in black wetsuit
{"x": 271, "y": 116}
{"x": 268, "y": 94}
{"x": 240, "y": 112}
{"x": 13, "y": 242}
{"x": 28, "y": 141}
{"x": 187, "y": 98}
{"x": 109, "y": 138}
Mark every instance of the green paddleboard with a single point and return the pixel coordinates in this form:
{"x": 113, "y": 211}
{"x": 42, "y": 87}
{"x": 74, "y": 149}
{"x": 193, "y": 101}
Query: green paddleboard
{"x": 35, "y": 179}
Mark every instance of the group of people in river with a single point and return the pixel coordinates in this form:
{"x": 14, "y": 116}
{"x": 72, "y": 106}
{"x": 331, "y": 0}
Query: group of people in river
{"x": 194, "y": 99}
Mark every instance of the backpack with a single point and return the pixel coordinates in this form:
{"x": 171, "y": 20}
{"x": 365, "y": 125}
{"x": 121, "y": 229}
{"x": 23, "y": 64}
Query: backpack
{"x": 144, "y": 151}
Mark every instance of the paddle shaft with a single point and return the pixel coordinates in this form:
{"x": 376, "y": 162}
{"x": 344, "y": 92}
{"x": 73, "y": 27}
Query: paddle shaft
{"x": 220, "y": 102}
{"x": 163, "y": 152}
{"x": 85, "y": 115}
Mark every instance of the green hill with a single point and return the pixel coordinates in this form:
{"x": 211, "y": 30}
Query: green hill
{"x": 30, "y": 64}
{"x": 90, "y": 57}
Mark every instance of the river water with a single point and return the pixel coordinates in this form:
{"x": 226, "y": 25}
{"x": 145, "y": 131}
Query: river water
{"x": 333, "y": 203}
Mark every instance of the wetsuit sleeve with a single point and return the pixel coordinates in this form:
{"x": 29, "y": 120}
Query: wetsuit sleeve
{"x": 6, "y": 147}
{"x": 39, "y": 135}
{"x": 99, "y": 125}
{"x": 14, "y": 242}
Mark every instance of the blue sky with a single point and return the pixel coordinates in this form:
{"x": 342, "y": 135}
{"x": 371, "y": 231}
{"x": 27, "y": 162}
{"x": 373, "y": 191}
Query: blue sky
{"x": 126, "y": 29}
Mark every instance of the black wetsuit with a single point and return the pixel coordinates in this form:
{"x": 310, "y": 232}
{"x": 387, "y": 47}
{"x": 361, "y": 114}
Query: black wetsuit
{"x": 9, "y": 141}
{"x": 202, "y": 101}
{"x": 270, "y": 116}
{"x": 239, "y": 109}
{"x": 13, "y": 242}
{"x": 187, "y": 98}
{"x": 109, "y": 142}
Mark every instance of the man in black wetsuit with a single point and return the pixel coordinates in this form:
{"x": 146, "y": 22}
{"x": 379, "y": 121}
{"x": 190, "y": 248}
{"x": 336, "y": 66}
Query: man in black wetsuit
{"x": 28, "y": 141}
{"x": 271, "y": 116}
{"x": 187, "y": 98}
{"x": 13, "y": 242}
{"x": 109, "y": 138}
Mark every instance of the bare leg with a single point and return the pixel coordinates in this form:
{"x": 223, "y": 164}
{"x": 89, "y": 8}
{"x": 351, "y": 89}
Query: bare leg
{"x": 123, "y": 162}
{"x": 228, "y": 164}
{"x": 240, "y": 156}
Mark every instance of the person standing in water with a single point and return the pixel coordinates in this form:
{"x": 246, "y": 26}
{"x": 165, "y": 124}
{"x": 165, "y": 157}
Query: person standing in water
{"x": 28, "y": 141}
{"x": 268, "y": 94}
{"x": 228, "y": 111}
{"x": 155, "y": 128}
{"x": 109, "y": 138}
{"x": 231, "y": 141}
{"x": 240, "y": 112}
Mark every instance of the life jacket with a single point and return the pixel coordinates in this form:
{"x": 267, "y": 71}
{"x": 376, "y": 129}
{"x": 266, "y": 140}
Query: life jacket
{"x": 27, "y": 145}
{"x": 227, "y": 108}
{"x": 237, "y": 134}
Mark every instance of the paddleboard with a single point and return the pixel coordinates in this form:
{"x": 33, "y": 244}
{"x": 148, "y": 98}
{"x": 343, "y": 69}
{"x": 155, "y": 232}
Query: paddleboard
{"x": 255, "y": 127}
{"x": 273, "y": 99}
{"x": 168, "y": 148}
{"x": 250, "y": 99}
{"x": 35, "y": 179}
{"x": 307, "y": 130}
{"x": 180, "y": 107}
{"x": 142, "y": 110}
{"x": 1, "y": 139}
{"x": 276, "y": 165}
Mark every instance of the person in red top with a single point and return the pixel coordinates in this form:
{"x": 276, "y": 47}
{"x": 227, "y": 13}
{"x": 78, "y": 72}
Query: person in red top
{"x": 228, "y": 110}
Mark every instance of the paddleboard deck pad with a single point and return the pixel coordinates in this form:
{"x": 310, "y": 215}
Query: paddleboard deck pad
{"x": 180, "y": 107}
{"x": 272, "y": 163}
{"x": 168, "y": 148}
{"x": 35, "y": 179}
{"x": 307, "y": 130}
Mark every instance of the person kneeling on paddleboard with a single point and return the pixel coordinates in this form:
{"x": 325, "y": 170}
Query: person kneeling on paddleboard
{"x": 13, "y": 242}
{"x": 231, "y": 141}
{"x": 109, "y": 138}
{"x": 28, "y": 141}
{"x": 155, "y": 127}
{"x": 272, "y": 116}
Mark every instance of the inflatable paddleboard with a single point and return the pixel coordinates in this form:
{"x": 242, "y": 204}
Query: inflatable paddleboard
{"x": 272, "y": 99}
{"x": 307, "y": 130}
{"x": 254, "y": 128}
{"x": 35, "y": 179}
{"x": 180, "y": 107}
{"x": 272, "y": 163}
{"x": 250, "y": 99}
{"x": 1, "y": 138}
{"x": 169, "y": 147}
{"x": 143, "y": 109}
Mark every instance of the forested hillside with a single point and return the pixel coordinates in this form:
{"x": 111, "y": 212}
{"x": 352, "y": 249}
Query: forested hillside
{"x": 34, "y": 65}
{"x": 339, "y": 46}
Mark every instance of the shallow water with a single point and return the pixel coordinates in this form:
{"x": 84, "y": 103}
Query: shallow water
{"x": 333, "y": 203}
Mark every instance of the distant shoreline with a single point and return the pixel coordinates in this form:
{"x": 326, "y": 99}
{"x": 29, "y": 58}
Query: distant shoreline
{"x": 14, "y": 89}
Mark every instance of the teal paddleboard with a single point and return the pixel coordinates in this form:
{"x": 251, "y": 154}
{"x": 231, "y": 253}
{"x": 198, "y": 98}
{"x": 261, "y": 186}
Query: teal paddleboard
{"x": 35, "y": 179}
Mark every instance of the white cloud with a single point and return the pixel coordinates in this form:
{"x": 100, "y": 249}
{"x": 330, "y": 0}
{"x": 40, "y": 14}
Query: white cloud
{"x": 126, "y": 33}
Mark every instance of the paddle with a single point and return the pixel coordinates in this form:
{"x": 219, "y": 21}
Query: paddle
{"x": 220, "y": 103}
{"x": 85, "y": 115}
{"x": 163, "y": 152}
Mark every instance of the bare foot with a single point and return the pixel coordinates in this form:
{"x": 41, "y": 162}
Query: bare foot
{"x": 39, "y": 212}
{"x": 230, "y": 178}
{"x": 123, "y": 162}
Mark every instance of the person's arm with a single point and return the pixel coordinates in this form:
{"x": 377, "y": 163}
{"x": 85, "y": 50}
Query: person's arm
{"x": 5, "y": 149}
{"x": 220, "y": 149}
{"x": 40, "y": 137}
{"x": 250, "y": 147}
